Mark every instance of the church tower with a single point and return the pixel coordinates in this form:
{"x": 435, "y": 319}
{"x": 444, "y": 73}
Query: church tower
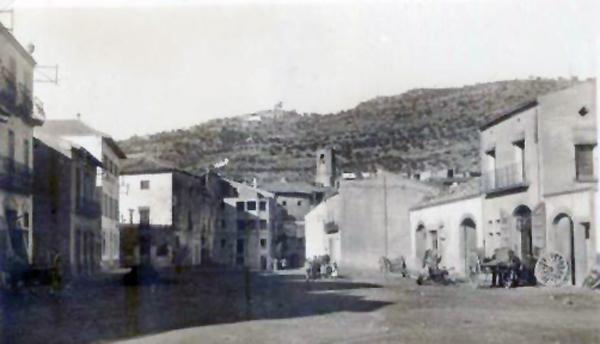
{"x": 325, "y": 174}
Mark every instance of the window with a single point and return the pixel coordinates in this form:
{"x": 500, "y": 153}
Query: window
{"x": 190, "y": 222}
{"x": 223, "y": 224}
{"x": 284, "y": 203}
{"x": 145, "y": 184}
{"x": 299, "y": 203}
{"x": 240, "y": 246}
{"x": 519, "y": 151}
{"x": 144, "y": 215}
{"x": 583, "y": 111}
{"x": 586, "y": 229}
{"x": 11, "y": 146}
{"x": 263, "y": 224}
{"x": 584, "y": 161}
{"x": 263, "y": 243}
{"x": 223, "y": 243}
{"x": 239, "y": 206}
{"x": 26, "y": 152}
{"x": 162, "y": 250}
{"x": 26, "y": 220}
{"x": 251, "y": 205}
{"x": 251, "y": 225}
{"x": 262, "y": 205}
{"x": 491, "y": 159}
{"x": 241, "y": 225}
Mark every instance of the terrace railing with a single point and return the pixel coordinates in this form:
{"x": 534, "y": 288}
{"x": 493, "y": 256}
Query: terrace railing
{"x": 15, "y": 176}
{"x": 504, "y": 178}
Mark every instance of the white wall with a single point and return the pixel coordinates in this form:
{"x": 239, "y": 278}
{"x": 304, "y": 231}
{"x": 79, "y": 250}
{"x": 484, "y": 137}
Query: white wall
{"x": 159, "y": 197}
{"x": 446, "y": 218}
{"x": 317, "y": 241}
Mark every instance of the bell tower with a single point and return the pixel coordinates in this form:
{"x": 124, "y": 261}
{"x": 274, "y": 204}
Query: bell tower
{"x": 325, "y": 173}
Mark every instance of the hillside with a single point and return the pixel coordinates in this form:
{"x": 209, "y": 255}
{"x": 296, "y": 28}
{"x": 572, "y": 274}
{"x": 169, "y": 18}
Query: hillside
{"x": 418, "y": 130}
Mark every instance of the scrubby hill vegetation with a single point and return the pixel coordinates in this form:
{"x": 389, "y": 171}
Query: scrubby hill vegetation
{"x": 422, "y": 129}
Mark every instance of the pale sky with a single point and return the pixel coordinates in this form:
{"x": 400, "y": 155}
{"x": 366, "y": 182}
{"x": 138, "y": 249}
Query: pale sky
{"x": 138, "y": 68}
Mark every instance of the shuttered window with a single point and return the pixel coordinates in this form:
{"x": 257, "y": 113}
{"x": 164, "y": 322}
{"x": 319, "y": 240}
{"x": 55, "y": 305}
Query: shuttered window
{"x": 584, "y": 161}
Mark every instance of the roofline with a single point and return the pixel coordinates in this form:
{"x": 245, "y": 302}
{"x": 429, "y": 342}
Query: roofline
{"x": 88, "y": 156}
{"x": 445, "y": 201}
{"x": 17, "y": 44}
{"x": 508, "y": 114}
{"x": 115, "y": 147}
{"x": 233, "y": 183}
{"x": 160, "y": 170}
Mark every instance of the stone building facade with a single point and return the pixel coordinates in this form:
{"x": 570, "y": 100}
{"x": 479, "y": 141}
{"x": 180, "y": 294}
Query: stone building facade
{"x": 104, "y": 148}
{"x": 246, "y": 228}
{"x": 67, "y": 212}
{"x": 17, "y": 120}
{"x": 169, "y": 216}
{"x": 541, "y": 178}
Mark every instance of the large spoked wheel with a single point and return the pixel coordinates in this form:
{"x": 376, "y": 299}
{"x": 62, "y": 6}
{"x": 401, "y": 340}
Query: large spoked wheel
{"x": 552, "y": 270}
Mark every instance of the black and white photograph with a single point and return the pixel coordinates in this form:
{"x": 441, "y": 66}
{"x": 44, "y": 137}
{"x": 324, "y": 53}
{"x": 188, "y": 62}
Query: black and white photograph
{"x": 299, "y": 171}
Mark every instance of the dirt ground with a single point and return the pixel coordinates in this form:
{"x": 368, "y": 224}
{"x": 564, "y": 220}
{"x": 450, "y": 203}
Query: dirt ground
{"x": 238, "y": 307}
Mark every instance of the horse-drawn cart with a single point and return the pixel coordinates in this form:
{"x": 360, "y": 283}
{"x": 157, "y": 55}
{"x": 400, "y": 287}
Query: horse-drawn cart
{"x": 505, "y": 269}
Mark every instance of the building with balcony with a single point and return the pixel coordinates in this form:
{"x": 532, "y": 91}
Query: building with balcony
{"x": 323, "y": 230}
{"x": 17, "y": 120}
{"x": 540, "y": 178}
{"x": 105, "y": 149}
{"x": 246, "y": 229}
{"x": 168, "y": 216}
{"x": 67, "y": 216}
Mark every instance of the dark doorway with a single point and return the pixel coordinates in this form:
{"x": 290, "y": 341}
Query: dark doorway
{"x": 469, "y": 240}
{"x": 263, "y": 263}
{"x": 565, "y": 243}
{"x": 522, "y": 215}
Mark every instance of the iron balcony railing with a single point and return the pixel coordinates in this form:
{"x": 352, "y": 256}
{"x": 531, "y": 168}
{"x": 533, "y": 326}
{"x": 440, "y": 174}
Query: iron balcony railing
{"x": 504, "y": 178}
{"x": 15, "y": 176}
{"x": 88, "y": 207}
{"x": 16, "y": 99}
{"x": 25, "y": 104}
{"x": 8, "y": 92}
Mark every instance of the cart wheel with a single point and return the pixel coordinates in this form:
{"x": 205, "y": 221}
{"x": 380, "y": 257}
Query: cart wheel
{"x": 552, "y": 270}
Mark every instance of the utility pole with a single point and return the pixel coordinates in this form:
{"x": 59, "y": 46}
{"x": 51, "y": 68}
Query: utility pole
{"x": 385, "y": 221}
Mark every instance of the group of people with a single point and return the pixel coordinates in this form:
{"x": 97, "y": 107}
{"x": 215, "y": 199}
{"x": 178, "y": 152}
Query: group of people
{"x": 320, "y": 267}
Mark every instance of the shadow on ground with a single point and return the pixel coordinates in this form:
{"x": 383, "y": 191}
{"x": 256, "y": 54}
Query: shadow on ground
{"x": 106, "y": 310}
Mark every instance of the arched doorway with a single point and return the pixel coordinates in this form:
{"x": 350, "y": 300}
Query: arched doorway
{"x": 565, "y": 242}
{"x": 522, "y": 216}
{"x": 420, "y": 243}
{"x": 469, "y": 240}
